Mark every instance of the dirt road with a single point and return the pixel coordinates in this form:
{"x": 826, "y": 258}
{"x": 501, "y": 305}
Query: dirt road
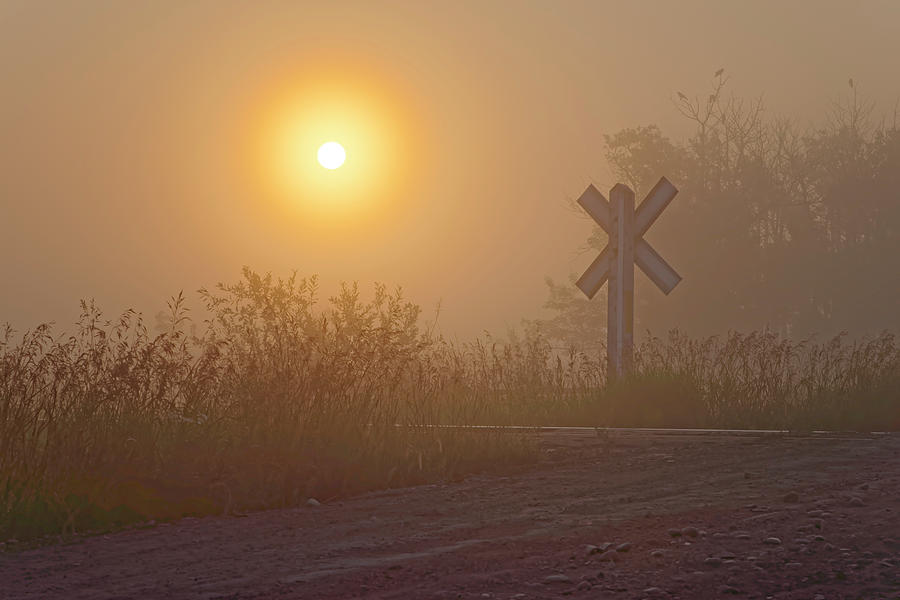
{"x": 679, "y": 516}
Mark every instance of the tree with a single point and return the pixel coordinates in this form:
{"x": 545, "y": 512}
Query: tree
{"x": 774, "y": 227}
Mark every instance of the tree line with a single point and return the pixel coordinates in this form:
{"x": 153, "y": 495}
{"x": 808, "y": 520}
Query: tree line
{"x": 776, "y": 226}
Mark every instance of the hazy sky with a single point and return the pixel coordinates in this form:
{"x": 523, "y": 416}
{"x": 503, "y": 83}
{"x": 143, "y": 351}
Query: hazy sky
{"x": 133, "y": 153}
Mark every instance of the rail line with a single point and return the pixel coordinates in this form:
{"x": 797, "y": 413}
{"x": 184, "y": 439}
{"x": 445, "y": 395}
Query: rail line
{"x": 661, "y": 431}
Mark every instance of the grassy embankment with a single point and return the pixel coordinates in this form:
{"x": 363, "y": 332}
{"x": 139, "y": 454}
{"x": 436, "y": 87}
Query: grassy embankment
{"x": 273, "y": 400}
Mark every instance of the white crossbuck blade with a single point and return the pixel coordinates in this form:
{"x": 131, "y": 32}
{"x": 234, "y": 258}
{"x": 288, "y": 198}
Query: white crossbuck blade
{"x": 651, "y": 263}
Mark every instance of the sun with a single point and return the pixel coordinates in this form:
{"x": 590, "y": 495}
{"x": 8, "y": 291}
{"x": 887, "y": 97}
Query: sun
{"x": 338, "y": 146}
{"x": 331, "y": 155}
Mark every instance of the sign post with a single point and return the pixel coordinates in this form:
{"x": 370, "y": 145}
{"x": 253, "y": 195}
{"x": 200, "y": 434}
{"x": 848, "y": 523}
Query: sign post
{"x": 627, "y": 246}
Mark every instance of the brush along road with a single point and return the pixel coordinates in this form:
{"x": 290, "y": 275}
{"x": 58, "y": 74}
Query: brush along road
{"x": 624, "y": 514}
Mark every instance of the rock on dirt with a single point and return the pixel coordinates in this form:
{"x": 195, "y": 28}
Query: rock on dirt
{"x": 609, "y": 555}
{"x": 727, "y": 589}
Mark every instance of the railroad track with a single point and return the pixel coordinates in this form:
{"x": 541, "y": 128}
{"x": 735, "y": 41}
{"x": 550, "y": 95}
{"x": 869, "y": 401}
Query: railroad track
{"x": 644, "y": 432}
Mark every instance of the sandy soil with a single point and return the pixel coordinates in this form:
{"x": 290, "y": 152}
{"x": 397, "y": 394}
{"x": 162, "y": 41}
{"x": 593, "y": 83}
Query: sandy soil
{"x": 687, "y": 516}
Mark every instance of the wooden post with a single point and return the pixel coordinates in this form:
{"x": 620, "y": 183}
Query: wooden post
{"x": 620, "y": 317}
{"x": 612, "y": 290}
{"x": 627, "y": 247}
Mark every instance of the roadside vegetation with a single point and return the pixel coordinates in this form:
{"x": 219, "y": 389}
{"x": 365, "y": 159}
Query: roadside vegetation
{"x": 267, "y": 403}
{"x": 778, "y": 223}
{"x": 271, "y": 401}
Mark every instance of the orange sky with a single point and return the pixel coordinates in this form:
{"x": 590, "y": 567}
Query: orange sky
{"x": 130, "y": 135}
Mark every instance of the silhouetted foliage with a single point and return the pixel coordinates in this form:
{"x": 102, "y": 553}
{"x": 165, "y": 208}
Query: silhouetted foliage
{"x": 273, "y": 399}
{"x": 797, "y": 231}
{"x": 270, "y": 401}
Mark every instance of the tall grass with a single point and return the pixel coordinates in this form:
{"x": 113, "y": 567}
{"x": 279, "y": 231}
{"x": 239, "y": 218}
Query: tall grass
{"x": 266, "y": 403}
{"x": 745, "y": 381}
{"x": 273, "y": 399}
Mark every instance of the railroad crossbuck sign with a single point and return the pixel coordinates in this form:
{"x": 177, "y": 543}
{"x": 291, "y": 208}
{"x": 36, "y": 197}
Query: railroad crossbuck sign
{"x": 626, "y": 228}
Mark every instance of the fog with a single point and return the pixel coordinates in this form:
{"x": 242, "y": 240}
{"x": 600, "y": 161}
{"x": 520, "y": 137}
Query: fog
{"x": 129, "y": 166}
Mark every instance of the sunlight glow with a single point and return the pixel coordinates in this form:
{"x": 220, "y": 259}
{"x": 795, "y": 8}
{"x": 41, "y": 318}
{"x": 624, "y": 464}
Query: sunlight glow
{"x": 331, "y": 155}
{"x": 364, "y": 130}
